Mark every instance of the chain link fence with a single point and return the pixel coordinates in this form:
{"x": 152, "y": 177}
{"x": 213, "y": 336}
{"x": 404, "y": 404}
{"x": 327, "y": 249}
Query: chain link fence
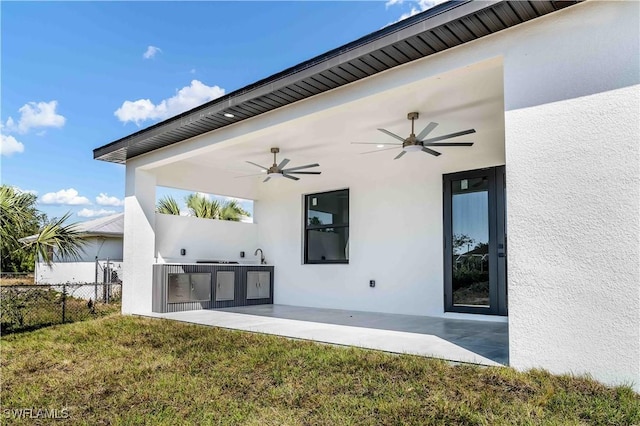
{"x": 28, "y": 307}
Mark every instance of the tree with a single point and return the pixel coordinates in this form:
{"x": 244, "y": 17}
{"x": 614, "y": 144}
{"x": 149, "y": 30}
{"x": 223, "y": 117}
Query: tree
{"x": 56, "y": 237}
{"x": 231, "y": 210}
{"x": 200, "y": 206}
{"x": 461, "y": 240}
{"x": 168, "y": 205}
{"x": 20, "y": 218}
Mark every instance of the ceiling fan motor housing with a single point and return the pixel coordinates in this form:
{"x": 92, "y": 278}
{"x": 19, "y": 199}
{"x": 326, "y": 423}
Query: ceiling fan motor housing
{"x": 412, "y": 141}
{"x": 279, "y": 171}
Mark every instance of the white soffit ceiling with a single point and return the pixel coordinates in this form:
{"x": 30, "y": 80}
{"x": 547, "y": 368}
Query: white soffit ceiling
{"x": 466, "y": 98}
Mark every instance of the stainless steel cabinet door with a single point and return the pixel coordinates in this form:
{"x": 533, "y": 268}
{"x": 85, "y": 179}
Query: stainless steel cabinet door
{"x": 264, "y": 284}
{"x": 258, "y": 284}
{"x": 253, "y": 281}
{"x": 225, "y": 285}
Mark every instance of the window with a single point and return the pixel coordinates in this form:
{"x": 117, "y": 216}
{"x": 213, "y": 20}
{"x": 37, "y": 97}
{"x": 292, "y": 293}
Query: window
{"x": 326, "y": 233}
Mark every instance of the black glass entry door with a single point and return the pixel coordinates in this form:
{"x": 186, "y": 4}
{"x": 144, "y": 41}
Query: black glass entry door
{"x": 475, "y": 263}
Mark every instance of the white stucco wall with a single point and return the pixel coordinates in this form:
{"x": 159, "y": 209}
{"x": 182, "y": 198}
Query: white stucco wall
{"x": 204, "y": 239}
{"x": 395, "y": 235}
{"x": 139, "y": 239}
{"x": 573, "y": 190}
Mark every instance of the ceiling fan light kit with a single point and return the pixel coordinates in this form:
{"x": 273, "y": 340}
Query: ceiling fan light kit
{"x": 418, "y": 143}
{"x": 412, "y": 148}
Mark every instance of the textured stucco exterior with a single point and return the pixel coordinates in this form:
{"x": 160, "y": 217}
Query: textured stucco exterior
{"x": 567, "y": 88}
{"x": 204, "y": 239}
{"x": 572, "y": 135}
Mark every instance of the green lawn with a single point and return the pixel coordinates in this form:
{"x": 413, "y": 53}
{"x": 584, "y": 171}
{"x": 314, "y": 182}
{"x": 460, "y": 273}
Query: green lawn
{"x": 125, "y": 370}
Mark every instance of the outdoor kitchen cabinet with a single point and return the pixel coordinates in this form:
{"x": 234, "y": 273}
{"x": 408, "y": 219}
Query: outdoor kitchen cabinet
{"x": 258, "y": 284}
{"x": 192, "y": 286}
{"x": 225, "y": 285}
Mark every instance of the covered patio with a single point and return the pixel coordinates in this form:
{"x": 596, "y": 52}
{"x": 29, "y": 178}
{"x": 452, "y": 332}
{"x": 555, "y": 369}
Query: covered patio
{"x": 387, "y": 240}
{"x": 469, "y": 341}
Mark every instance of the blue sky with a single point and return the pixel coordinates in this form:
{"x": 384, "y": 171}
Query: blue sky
{"x": 78, "y": 75}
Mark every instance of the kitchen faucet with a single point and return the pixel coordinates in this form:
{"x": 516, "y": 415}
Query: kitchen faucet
{"x": 262, "y": 261}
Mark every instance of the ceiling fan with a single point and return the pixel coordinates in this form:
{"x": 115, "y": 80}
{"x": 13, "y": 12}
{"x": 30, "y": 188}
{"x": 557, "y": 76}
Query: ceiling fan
{"x": 418, "y": 142}
{"x": 278, "y": 170}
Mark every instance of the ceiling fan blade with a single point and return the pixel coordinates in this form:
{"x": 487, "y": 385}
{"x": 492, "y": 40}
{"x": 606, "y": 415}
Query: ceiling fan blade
{"x": 425, "y": 132}
{"x": 291, "y": 177}
{"x": 449, "y": 144}
{"x": 255, "y": 174}
{"x": 375, "y": 143}
{"x": 430, "y": 151}
{"x": 393, "y": 135}
{"x": 450, "y": 135}
{"x": 268, "y": 177}
{"x": 301, "y": 167}
{"x": 379, "y": 150}
{"x": 283, "y": 163}
{"x": 258, "y": 165}
{"x": 305, "y": 173}
{"x": 403, "y": 152}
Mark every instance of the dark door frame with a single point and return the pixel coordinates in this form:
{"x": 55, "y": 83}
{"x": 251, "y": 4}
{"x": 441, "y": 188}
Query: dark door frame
{"x": 497, "y": 241}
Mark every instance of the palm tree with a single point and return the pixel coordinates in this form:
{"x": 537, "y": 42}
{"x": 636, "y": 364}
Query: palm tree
{"x": 18, "y": 218}
{"x": 200, "y": 206}
{"x": 56, "y": 237}
{"x": 168, "y": 205}
{"x": 231, "y": 210}
{"x": 17, "y": 212}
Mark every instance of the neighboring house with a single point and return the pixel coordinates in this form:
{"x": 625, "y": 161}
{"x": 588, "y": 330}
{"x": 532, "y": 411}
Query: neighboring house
{"x": 103, "y": 238}
{"x": 552, "y": 91}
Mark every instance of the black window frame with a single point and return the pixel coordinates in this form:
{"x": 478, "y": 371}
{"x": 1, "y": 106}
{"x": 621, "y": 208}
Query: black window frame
{"x": 308, "y": 228}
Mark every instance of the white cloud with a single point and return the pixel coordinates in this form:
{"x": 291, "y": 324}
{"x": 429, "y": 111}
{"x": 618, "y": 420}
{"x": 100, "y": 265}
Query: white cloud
{"x": 34, "y": 115}
{"x": 106, "y": 200}
{"x": 9, "y": 145}
{"x": 151, "y": 52}
{"x": 25, "y": 191}
{"x": 68, "y": 197}
{"x": 95, "y": 213}
{"x": 419, "y": 6}
{"x": 186, "y": 98}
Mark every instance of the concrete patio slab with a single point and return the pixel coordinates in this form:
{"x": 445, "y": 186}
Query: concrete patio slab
{"x": 477, "y": 342}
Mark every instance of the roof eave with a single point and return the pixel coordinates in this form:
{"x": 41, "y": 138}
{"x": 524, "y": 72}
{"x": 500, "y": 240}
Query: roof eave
{"x": 445, "y": 13}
